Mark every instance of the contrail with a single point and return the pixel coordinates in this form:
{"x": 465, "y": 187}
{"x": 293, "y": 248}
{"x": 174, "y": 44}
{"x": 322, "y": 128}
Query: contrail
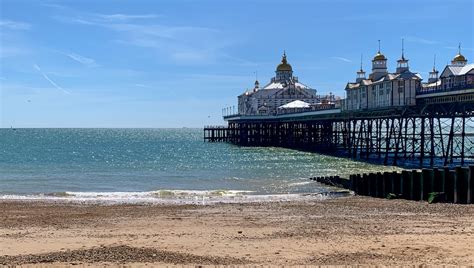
{"x": 50, "y": 80}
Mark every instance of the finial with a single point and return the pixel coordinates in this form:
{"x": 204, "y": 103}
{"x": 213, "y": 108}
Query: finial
{"x": 434, "y": 63}
{"x": 361, "y": 62}
{"x": 459, "y": 48}
{"x": 283, "y": 59}
{"x": 379, "y": 45}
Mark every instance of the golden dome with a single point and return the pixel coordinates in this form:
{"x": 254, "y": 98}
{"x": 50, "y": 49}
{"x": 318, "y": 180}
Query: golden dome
{"x": 379, "y": 56}
{"x": 284, "y": 66}
{"x": 459, "y": 57}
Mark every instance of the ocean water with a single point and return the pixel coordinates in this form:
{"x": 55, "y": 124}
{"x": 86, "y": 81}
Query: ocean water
{"x": 156, "y": 165}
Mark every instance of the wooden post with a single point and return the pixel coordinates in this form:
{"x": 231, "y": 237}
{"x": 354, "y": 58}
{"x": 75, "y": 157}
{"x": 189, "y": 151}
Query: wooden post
{"x": 438, "y": 180}
{"x": 427, "y": 175}
{"x": 455, "y": 179}
{"x": 379, "y": 185}
{"x": 372, "y": 183}
{"x": 396, "y": 183}
{"x": 470, "y": 187}
{"x": 461, "y": 184}
{"x": 417, "y": 185}
{"x": 387, "y": 185}
{"x": 406, "y": 184}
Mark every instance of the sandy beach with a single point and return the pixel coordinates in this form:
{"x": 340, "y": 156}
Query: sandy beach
{"x": 341, "y": 231}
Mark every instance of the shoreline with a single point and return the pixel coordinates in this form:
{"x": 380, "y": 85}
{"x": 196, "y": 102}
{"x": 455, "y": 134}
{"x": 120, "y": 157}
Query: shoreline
{"x": 176, "y": 197}
{"x": 338, "y": 231}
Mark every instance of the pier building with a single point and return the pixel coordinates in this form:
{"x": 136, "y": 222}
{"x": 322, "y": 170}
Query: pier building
{"x": 282, "y": 90}
{"x": 455, "y": 76}
{"x": 388, "y": 117}
{"x": 383, "y": 89}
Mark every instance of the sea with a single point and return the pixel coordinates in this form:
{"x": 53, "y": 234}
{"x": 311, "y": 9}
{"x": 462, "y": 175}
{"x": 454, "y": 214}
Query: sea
{"x": 158, "y": 166}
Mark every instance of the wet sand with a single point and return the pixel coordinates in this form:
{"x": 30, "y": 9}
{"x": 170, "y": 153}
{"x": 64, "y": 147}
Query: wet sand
{"x": 342, "y": 231}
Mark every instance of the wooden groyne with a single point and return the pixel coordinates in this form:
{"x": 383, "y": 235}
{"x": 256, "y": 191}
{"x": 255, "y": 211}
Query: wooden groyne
{"x": 433, "y": 185}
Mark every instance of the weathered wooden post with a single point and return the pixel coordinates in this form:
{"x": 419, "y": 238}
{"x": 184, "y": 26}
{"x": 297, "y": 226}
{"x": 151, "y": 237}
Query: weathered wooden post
{"x": 438, "y": 180}
{"x": 417, "y": 187}
{"x": 379, "y": 185}
{"x": 448, "y": 184}
{"x": 359, "y": 180}
{"x": 406, "y": 184}
{"x": 396, "y": 183}
{"x": 373, "y": 184}
{"x": 470, "y": 186}
{"x": 461, "y": 184}
{"x": 387, "y": 185}
{"x": 364, "y": 186}
{"x": 427, "y": 175}
{"x": 353, "y": 183}
{"x": 454, "y": 178}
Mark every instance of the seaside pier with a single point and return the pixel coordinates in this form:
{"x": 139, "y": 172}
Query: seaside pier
{"x": 389, "y": 117}
{"x": 439, "y": 131}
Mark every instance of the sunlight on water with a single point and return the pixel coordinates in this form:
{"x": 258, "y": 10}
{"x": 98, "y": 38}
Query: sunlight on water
{"x": 62, "y": 162}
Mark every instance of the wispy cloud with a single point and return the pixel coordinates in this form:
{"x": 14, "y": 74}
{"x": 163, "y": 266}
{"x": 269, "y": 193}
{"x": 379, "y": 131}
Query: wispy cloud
{"x": 14, "y": 25}
{"x": 181, "y": 44}
{"x": 54, "y": 5}
{"x": 82, "y": 60}
{"x": 124, "y": 17}
{"x": 54, "y": 84}
{"x": 142, "y": 85}
{"x": 462, "y": 48}
{"x": 415, "y": 39}
{"x": 341, "y": 59}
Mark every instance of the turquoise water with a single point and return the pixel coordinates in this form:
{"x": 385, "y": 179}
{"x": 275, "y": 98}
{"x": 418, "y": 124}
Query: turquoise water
{"x": 158, "y": 163}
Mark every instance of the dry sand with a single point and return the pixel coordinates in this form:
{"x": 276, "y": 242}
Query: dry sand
{"x": 342, "y": 231}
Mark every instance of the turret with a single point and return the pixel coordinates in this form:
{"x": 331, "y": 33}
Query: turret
{"x": 284, "y": 70}
{"x": 433, "y": 77}
{"x": 360, "y": 73}
{"x": 459, "y": 59}
{"x": 402, "y": 63}
{"x": 379, "y": 65}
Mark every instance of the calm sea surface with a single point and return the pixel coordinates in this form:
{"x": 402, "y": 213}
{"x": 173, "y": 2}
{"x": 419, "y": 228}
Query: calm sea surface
{"x": 129, "y": 164}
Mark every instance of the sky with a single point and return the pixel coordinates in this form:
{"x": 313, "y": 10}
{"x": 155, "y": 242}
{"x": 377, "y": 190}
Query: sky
{"x": 177, "y": 63}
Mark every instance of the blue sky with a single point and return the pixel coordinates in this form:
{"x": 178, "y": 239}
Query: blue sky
{"x": 178, "y": 63}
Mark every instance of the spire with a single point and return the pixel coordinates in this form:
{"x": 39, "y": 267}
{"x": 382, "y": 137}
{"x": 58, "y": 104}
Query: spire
{"x": 402, "y": 63}
{"x": 360, "y": 73}
{"x": 433, "y": 76}
{"x": 459, "y": 48}
{"x": 257, "y": 84}
{"x": 379, "y": 56}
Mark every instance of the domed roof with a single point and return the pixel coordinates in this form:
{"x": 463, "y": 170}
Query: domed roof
{"x": 284, "y": 65}
{"x": 379, "y": 56}
{"x": 459, "y": 57}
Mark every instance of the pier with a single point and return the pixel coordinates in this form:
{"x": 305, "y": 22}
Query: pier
{"x": 437, "y": 130}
